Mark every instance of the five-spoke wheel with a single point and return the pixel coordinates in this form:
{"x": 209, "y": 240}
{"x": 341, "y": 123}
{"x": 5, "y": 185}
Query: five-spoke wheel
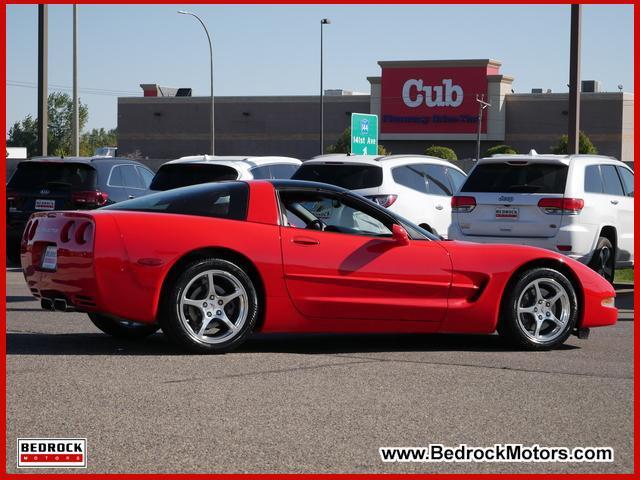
{"x": 540, "y": 310}
{"x": 211, "y": 306}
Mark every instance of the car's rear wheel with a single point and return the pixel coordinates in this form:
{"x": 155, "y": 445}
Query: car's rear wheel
{"x": 118, "y": 327}
{"x": 211, "y": 307}
{"x": 603, "y": 260}
{"x": 540, "y": 310}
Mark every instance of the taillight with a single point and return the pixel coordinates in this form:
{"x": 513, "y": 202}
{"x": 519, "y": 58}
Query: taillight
{"x": 32, "y": 229}
{"x": 463, "y": 204}
{"x": 65, "y": 234}
{"x": 90, "y": 198}
{"x": 84, "y": 233}
{"x": 560, "y": 206}
{"x": 383, "y": 200}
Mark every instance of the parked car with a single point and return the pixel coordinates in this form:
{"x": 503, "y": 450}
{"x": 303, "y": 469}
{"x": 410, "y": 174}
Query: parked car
{"x": 578, "y": 205}
{"x": 54, "y": 183}
{"x": 416, "y": 187}
{"x": 236, "y": 257}
{"x": 206, "y": 168}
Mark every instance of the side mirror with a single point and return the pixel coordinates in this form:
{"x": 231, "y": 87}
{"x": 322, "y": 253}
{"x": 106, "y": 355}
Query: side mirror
{"x": 400, "y": 235}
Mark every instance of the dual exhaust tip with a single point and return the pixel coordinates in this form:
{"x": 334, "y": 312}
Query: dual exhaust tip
{"x": 55, "y": 305}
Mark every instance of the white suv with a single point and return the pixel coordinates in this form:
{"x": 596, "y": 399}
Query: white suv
{"x": 416, "y": 187}
{"x": 579, "y": 205}
{"x": 206, "y": 168}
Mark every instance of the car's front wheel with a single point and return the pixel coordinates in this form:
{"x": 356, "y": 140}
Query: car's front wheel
{"x": 211, "y": 307}
{"x": 120, "y": 328}
{"x": 539, "y": 311}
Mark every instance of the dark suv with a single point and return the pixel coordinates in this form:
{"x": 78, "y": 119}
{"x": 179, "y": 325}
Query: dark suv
{"x": 69, "y": 184}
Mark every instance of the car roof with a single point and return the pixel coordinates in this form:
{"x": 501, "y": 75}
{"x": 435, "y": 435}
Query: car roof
{"x": 286, "y": 183}
{"x": 388, "y": 161}
{"x": 238, "y": 162}
{"x": 536, "y": 157}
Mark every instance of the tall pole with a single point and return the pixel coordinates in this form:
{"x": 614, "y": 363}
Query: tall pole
{"x": 43, "y": 107}
{"x": 323, "y": 22}
{"x": 573, "y": 145}
{"x": 75, "y": 150}
{"x": 182, "y": 12}
{"x": 481, "y": 106}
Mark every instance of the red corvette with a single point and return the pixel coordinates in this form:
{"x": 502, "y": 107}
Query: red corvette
{"x": 211, "y": 263}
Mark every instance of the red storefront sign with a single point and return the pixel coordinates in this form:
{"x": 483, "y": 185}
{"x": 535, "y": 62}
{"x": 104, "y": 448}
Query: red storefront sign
{"x": 432, "y": 99}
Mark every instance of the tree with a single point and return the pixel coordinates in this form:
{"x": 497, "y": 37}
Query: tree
{"x": 441, "y": 152}
{"x": 60, "y": 107}
{"x": 343, "y": 144}
{"x": 500, "y": 149}
{"x": 97, "y": 138}
{"x": 584, "y": 145}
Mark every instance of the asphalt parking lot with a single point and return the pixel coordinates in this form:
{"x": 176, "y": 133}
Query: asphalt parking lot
{"x": 312, "y": 403}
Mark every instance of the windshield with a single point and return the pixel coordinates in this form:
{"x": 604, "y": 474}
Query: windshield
{"x": 351, "y": 177}
{"x": 184, "y": 174}
{"x": 517, "y": 178}
{"x": 32, "y": 175}
{"x": 220, "y": 200}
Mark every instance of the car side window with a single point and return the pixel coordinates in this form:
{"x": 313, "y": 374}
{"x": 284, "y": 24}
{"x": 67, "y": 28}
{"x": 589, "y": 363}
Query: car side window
{"x": 627, "y": 180}
{"x": 261, "y": 173}
{"x": 147, "y": 176}
{"x": 612, "y": 184}
{"x": 331, "y": 213}
{"x": 437, "y": 181}
{"x": 457, "y": 179}
{"x": 410, "y": 176}
{"x": 131, "y": 177}
{"x": 592, "y": 179}
{"x": 115, "y": 177}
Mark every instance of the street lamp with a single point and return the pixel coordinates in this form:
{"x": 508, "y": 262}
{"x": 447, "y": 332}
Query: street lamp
{"x": 182, "y": 12}
{"x": 323, "y": 22}
{"x": 482, "y": 105}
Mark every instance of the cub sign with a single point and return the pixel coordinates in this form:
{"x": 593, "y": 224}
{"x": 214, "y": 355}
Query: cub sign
{"x": 415, "y": 93}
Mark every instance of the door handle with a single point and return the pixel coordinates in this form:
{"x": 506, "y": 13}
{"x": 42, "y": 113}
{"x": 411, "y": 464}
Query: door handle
{"x": 307, "y": 241}
{"x": 614, "y": 202}
{"x": 439, "y": 207}
{"x": 131, "y": 196}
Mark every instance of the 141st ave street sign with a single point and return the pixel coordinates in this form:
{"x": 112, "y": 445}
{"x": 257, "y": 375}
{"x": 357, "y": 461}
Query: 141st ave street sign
{"x": 364, "y": 134}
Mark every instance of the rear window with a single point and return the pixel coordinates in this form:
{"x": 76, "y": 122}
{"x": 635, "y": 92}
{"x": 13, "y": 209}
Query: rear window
{"x": 517, "y": 178}
{"x": 222, "y": 200}
{"x": 351, "y": 177}
{"x": 185, "y": 174}
{"x": 32, "y": 175}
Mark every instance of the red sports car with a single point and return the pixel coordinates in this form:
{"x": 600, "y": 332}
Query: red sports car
{"x": 211, "y": 263}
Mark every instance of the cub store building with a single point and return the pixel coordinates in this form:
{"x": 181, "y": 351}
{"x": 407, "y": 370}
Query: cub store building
{"x": 419, "y": 104}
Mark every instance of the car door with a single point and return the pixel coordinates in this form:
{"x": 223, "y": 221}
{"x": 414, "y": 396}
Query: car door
{"x": 625, "y": 217}
{"x": 353, "y": 269}
{"x": 413, "y": 202}
{"x": 615, "y": 201}
{"x": 147, "y": 177}
{"x": 439, "y": 187}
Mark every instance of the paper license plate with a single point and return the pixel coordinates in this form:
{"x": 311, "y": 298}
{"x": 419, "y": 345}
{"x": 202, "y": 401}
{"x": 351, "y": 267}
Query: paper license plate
{"x": 506, "y": 213}
{"x": 43, "y": 204}
{"x": 50, "y": 258}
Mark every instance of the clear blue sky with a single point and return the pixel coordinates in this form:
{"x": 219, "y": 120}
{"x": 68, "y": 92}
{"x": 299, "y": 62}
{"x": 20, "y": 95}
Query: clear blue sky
{"x": 274, "y": 50}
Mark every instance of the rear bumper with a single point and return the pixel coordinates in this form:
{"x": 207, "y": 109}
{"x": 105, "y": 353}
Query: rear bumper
{"x": 580, "y": 239}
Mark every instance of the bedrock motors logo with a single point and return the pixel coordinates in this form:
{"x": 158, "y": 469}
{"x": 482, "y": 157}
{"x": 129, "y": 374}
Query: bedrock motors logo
{"x": 52, "y": 453}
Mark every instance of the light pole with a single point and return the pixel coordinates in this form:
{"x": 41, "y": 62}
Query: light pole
{"x": 574, "y": 81}
{"x": 75, "y": 141}
{"x": 182, "y": 12}
{"x": 482, "y": 105}
{"x": 323, "y": 22}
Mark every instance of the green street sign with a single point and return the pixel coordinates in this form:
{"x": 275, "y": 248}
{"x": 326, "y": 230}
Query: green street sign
{"x": 364, "y": 134}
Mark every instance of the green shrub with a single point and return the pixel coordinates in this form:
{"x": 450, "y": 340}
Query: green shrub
{"x": 500, "y": 150}
{"x": 441, "y": 152}
{"x": 584, "y": 145}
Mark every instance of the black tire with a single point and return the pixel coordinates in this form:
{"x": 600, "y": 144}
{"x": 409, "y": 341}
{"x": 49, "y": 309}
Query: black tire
{"x": 117, "y": 327}
{"x": 603, "y": 260}
{"x": 519, "y": 328}
{"x": 180, "y": 323}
